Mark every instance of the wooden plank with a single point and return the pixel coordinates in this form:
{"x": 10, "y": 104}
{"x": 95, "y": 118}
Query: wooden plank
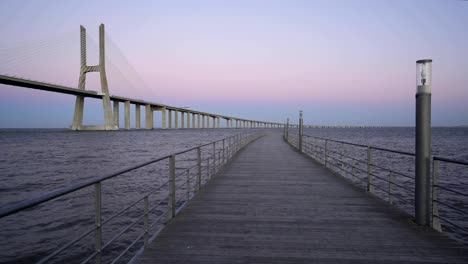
{"x": 272, "y": 204}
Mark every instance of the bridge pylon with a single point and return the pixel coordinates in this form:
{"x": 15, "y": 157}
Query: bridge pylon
{"x": 101, "y": 68}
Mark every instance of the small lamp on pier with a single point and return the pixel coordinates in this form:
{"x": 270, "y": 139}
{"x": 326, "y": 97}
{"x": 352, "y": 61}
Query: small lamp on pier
{"x": 423, "y": 141}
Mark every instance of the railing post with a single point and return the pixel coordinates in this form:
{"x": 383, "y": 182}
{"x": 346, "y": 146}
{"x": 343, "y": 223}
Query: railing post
{"x": 301, "y": 131}
{"x": 435, "y": 191}
{"x": 342, "y": 160}
{"x": 224, "y": 160}
{"x": 423, "y": 143}
{"x": 97, "y": 204}
{"x": 370, "y": 187}
{"x": 172, "y": 200}
{"x": 390, "y": 198}
{"x": 187, "y": 183}
{"x": 208, "y": 169}
{"x": 326, "y": 152}
{"x": 214, "y": 158}
{"x": 146, "y": 224}
{"x": 198, "y": 183}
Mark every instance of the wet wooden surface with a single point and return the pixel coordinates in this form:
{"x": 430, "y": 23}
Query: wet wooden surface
{"x": 273, "y": 205}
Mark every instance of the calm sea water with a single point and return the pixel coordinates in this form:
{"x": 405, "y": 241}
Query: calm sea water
{"x": 36, "y": 161}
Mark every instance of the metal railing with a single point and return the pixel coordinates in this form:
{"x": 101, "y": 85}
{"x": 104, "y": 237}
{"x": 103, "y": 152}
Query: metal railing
{"x": 450, "y": 197}
{"x": 198, "y": 165}
{"x": 389, "y": 174}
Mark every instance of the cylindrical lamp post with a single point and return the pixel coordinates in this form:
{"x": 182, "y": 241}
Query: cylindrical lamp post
{"x": 423, "y": 141}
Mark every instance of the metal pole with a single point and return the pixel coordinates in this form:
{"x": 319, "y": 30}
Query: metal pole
{"x": 326, "y": 152}
{"x": 342, "y": 161}
{"x": 198, "y": 184}
{"x": 98, "y": 202}
{"x": 171, "y": 201}
{"x": 390, "y": 200}
{"x": 435, "y": 189}
{"x": 146, "y": 225}
{"x": 301, "y": 131}
{"x": 370, "y": 187}
{"x": 423, "y": 142}
{"x": 214, "y": 157}
{"x": 187, "y": 179}
{"x": 224, "y": 160}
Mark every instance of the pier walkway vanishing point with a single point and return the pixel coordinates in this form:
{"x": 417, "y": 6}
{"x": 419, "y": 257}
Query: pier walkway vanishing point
{"x": 272, "y": 204}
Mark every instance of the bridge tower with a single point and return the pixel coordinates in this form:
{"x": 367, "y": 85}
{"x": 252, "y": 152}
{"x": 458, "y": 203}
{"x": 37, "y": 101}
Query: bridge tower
{"x": 101, "y": 68}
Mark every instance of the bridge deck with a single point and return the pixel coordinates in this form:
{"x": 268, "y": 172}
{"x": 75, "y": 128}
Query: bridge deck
{"x": 274, "y": 205}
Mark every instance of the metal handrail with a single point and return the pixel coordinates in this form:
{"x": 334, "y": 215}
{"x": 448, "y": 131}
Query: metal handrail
{"x": 25, "y": 204}
{"x": 332, "y": 158}
{"x": 336, "y": 159}
{"x": 459, "y": 162}
{"x": 436, "y": 188}
{"x": 361, "y": 145}
{"x": 219, "y": 158}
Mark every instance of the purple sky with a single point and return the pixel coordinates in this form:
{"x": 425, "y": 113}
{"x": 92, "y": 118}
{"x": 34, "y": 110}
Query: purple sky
{"x": 341, "y": 62}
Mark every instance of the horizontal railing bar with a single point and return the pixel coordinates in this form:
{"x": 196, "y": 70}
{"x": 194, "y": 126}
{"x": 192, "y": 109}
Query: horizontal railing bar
{"x": 5, "y": 211}
{"x": 451, "y": 223}
{"x": 377, "y": 176}
{"x": 62, "y": 248}
{"x": 451, "y": 160}
{"x": 450, "y": 190}
{"x": 25, "y": 204}
{"x": 178, "y": 187}
{"x": 451, "y": 207}
{"x": 158, "y": 204}
{"x": 157, "y": 219}
{"x": 113, "y": 239}
{"x": 130, "y": 246}
{"x": 371, "y": 164}
{"x": 134, "y": 203}
{"x": 364, "y": 146}
{"x": 122, "y": 232}
{"x": 378, "y": 187}
{"x": 389, "y": 170}
{"x": 90, "y": 257}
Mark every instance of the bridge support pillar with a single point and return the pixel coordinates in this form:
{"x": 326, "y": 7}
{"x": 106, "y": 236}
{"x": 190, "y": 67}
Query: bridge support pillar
{"x": 207, "y": 121}
{"x": 127, "y": 114}
{"x": 169, "y": 123}
{"x": 188, "y": 119}
{"x": 148, "y": 117}
{"x": 116, "y": 114}
{"x": 182, "y": 122}
{"x": 203, "y": 121}
{"x": 193, "y": 120}
{"x": 163, "y": 116}
{"x": 198, "y": 120}
{"x": 176, "y": 119}
{"x": 109, "y": 121}
{"x": 137, "y": 117}
{"x": 78, "y": 114}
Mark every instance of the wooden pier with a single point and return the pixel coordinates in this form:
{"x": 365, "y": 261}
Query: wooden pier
{"x": 272, "y": 204}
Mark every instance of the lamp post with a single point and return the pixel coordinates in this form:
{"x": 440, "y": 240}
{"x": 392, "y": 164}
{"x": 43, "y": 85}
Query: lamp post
{"x": 423, "y": 141}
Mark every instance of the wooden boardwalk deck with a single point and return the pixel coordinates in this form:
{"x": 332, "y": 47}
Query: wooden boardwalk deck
{"x": 274, "y": 205}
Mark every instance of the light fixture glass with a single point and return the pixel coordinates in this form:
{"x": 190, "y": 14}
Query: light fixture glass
{"x": 424, "y": 72}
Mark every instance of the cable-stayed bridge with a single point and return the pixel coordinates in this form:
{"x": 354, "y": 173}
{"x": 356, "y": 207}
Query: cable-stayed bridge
{"x": 188, "y": 118}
